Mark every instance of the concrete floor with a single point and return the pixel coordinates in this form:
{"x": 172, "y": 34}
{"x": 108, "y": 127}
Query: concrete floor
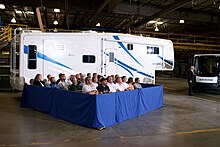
{"x": 184, "y": 122}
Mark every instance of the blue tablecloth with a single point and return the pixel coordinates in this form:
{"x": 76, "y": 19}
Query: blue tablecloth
{"x": 95, "y": 111}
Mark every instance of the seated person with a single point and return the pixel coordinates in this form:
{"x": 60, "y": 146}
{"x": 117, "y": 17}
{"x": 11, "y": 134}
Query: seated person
{"x": 94, "y": 82}
{"x": 81, "y": 81}
{"x": 130, "y": 83}
{"x": 31, "y": 81}
{"x": 38, "y": 81}
{"x": 58, "y": 81}
{"x": 74, "y": 87}
{"x": 117, "y": 75}
{"x": 87, "y": 88}
{"x": 68, "y": 81}
{"x": 103, "y": 87}
{"x": 124, "y": 80}
{"x": 110, "y": 84}
{"x": 99, "y": 77}
{"x": 119, "y": 85}
{"x": 53, "y": 83}
{"x": 137, "y": 83}
{"x": 48, "y": 79}
{"x": 89, "y": 75}
{"x": 95, "y": 75}
{"x": 62, "y": 84}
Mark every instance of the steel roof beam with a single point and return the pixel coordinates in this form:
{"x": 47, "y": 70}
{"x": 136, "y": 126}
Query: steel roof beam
{"x": 163, "y": 12}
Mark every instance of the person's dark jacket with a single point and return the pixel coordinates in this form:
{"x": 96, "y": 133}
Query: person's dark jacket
{"x": 58, "y": 81}
{"x": 39, "y": 83}
{"x": 102, "y": 89}
{"x": 191, "y": 76}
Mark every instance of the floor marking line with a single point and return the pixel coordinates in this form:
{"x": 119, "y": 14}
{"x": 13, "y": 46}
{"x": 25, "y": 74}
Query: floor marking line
{"x": 199, "y": 131}
{"x": 41, "y": 143}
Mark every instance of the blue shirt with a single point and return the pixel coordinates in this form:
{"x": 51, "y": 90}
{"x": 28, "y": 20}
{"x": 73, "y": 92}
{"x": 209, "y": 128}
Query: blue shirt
{"x": 53, "y": 85}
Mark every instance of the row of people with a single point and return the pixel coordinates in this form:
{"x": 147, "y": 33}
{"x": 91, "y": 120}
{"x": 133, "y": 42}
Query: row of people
{"x": 95, "y": 84}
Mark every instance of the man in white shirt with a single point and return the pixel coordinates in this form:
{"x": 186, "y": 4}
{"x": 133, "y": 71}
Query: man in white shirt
{"x": 110, "y": 84}
{"x": 124, "y": 80}
{"x": 87, "y": 88}
{"x": 119, "y": 85}
{"x": 62, "y": 84}
{"x": 137, "y": 83}
{"x": 94, "y": 83}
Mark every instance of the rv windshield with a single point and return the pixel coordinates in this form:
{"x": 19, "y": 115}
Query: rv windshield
{"x": 207, "y": 65}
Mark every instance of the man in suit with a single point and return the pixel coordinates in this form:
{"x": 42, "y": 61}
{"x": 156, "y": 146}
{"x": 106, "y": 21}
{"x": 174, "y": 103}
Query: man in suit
{"x": 191, "y": 80}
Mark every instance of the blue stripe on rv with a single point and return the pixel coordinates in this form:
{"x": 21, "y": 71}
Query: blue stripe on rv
{"x": 44, "y": 57}
{"x": 131, "y": 68}
{"x": 167, "y": 61}
{"x": 126, "y": 50}
{"x": 127, "y": 67}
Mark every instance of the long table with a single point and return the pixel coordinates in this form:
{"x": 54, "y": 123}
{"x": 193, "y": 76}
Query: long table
{"x": 94, "y": 111}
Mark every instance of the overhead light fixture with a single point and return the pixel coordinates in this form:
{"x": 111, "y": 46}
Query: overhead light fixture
{"x": 219, "y": 7}
{"x": 98, "y": 25}
{"x": 18, "y": 11}
{"x": 55, "y": 22}
{"x": 156, "y": 29}
{"x": 159, "y": 22}
{"x": 152, "y": 21}
{"x": 2, "y": 6}
{"x": 30, "y": 12}
{"x": 182, "y": 21}
{"x": 13, "y": 20}
{"x": 5, "y": 53}
{"x": 56, "y": 10}
{"x": 27, "y": 12}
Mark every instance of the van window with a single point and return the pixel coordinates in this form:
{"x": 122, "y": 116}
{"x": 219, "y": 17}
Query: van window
{"x": 88, "y": 59}
{"x": 32, "y": 56}
{"x": 111, "y": 57}
{"x": 152, "y": 50}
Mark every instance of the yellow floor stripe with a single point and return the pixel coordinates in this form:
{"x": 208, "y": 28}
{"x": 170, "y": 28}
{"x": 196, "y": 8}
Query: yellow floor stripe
{"x": 41, "y": 143}
{"x": 199, "y": 131}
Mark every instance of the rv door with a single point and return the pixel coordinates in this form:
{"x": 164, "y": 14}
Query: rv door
{"x": 110, "y": 67}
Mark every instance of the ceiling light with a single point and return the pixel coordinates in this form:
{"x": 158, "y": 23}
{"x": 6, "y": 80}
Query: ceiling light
{"x": 30, "y": 12}
{"x": 156, "y": 29}
{"x": 159, "y": 22}
{"x": 18, "y": 12}
{"x": 56, "y": 10}
{"x": 182, "y": 21}
{"x": 98, "y": 25}
{"x": 55, "y": 22}
{"x": 13, "y": 20}
{"x": 2, "y": 6}
{"x": 27, "y": 12}
{"x": 219, "y": 7}
{"x": 152, "y": 21}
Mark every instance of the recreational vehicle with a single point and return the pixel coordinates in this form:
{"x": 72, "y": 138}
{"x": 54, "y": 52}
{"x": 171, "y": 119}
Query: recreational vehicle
{"x": 103, "y": 53}
{"x": 207, "y": 69}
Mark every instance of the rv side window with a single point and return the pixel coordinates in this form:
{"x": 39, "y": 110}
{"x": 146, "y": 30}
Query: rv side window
{"x": 88, "y": 59}
{"x": 130, "y": 46}
{"x": 111, "y": 57}
{"x": 152, "y": 50}
{"x": 32, "y": 56}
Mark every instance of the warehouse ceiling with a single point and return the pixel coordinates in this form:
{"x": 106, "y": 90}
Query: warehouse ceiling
{"x": 200, "y": 16}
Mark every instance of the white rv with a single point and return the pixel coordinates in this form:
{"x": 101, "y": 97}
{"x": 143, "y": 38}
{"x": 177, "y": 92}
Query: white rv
{"x": 104, "y": 53}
